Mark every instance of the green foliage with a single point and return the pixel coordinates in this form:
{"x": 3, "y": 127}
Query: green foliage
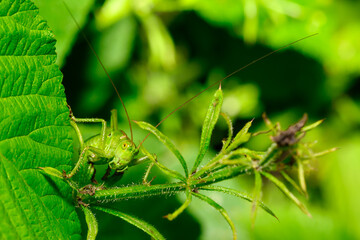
{"x": 229, "y": 163}
{"x": 241, "y": 137}
{"x": 208, "y": 127}
{"x": 164, "y": 48}
{"x": 34, "y": 129}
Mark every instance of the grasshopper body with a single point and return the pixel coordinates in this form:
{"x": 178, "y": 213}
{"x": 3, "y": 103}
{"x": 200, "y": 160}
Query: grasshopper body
{"x": 112, "y": 147}
{"x": 117, "y": 151}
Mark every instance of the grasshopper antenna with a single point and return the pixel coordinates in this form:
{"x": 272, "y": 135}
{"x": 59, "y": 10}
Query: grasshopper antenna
{"x": 103, "y": 67}
{"x": 230, "y": 75}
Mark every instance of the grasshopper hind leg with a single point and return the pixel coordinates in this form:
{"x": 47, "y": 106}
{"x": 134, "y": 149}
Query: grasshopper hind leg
{"x": 75, "y": 120}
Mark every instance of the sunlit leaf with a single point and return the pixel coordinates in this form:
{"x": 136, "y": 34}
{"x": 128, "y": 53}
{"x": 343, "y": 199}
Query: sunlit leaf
{"x": 208, "y": 126}
{"x": 23, "y": 212}
{"x": 35, "y": 129}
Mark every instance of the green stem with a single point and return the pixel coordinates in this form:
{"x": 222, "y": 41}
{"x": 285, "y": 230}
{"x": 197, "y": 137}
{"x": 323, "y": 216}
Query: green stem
{"x": 136, "y": 191}
{"x": 141, "y": 191}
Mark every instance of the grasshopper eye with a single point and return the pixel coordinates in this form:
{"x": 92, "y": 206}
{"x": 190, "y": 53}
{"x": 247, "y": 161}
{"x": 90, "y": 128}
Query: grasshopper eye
{"x": 124, "y": 145}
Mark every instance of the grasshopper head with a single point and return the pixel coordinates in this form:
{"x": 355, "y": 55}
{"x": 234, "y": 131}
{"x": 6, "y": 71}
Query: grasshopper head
{"x": 125, "y": 152}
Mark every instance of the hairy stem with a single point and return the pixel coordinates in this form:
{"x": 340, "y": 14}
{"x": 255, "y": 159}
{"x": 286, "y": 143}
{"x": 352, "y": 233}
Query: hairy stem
{"x": 141, "y": 191}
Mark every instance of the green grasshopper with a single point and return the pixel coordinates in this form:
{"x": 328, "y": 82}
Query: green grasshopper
{"x": 112, "y": 147}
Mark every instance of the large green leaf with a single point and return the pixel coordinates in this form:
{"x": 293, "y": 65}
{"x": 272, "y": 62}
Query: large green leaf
{"x": 34, "y": 130}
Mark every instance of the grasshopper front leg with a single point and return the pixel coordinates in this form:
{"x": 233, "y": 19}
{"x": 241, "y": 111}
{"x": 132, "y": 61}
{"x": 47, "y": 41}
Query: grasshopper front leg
{"x": 84, "y": 169}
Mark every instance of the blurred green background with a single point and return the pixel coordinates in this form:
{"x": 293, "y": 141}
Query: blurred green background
{"x": 162, "y": 52}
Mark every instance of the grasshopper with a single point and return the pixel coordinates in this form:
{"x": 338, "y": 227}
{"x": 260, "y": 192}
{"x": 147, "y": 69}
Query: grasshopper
{"x": 112, "y": 147}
